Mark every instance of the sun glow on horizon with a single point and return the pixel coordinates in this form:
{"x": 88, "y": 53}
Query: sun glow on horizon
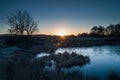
{"x": 61, "y": 33}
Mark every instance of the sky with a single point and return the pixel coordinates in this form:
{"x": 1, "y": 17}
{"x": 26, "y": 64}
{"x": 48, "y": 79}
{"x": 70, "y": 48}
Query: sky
{"x": 71, "y": 16}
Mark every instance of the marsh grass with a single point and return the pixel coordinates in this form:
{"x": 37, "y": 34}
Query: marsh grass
{"x": 22, "y": 64}
{"x": 113, "y": 76}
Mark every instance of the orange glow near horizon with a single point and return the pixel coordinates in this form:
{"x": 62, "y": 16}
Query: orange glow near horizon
{"x": 61, "y": 33}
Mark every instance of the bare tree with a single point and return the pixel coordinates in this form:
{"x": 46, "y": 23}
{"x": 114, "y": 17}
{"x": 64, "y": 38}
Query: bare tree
{"x": 21, "y": 22}
{"x": 10, "y": 31}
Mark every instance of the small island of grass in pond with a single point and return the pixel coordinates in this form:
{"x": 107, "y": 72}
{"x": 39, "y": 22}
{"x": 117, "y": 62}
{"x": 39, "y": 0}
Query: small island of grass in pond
{"x": 66, "y": 60}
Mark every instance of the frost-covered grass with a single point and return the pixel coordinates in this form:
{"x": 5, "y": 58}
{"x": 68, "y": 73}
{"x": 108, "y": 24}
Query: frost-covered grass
{"x": 8, "y": 50}
{"x": 42, "y": 55}
{"x": 22, "y": 63}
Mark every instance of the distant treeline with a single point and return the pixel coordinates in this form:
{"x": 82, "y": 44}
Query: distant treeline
{"x": 113, "y": 30}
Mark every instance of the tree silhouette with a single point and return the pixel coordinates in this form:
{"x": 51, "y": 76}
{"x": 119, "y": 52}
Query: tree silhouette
{"x": 97, "y": 30}
{"x": 101, "y": 30}
{"x": 10, "y": 31}
{"x": 110, "y": 29}
{"x": 113, "y": 30}
{"x": 94, "y": 30}
{"x": 22, "y": 22}
{"x": 117, "y": 30}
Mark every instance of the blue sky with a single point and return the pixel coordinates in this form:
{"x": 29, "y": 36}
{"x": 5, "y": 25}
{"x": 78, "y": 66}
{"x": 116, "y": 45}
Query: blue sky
{"x": 73, "y": 16}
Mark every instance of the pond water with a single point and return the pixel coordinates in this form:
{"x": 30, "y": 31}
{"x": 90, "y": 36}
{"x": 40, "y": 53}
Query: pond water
{"x": 103, "y": 60}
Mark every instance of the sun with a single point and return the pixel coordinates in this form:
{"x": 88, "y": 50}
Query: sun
{"x": 61, "y": 33}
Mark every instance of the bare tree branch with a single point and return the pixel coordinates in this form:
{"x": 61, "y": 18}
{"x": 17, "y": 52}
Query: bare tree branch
{"x": 21, "y": 21}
